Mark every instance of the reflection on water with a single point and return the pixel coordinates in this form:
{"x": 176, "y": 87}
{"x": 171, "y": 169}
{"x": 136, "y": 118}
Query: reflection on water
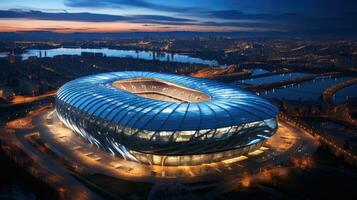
{"x": 271, "y": 79}
{"x": 305, "y": 91}
{"x": 146, "y": 55}
{"x": 3, "y": 54}
{"x": 259, "y": 71}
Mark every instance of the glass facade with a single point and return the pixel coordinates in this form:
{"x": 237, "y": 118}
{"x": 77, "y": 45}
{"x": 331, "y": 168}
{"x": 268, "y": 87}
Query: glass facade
{"x": 229, "y": 123}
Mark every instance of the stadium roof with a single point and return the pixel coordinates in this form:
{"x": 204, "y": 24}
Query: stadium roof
{"x": 227, "y": 105}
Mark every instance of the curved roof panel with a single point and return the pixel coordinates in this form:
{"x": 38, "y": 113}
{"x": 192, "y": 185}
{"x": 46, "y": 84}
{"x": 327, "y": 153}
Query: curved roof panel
{"x": 227, "y": 105}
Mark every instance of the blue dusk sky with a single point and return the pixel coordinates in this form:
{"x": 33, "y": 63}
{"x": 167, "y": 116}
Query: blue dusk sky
{"x": 178, "y": 15}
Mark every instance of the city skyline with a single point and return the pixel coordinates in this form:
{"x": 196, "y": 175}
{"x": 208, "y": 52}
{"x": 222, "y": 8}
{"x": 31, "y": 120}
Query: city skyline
{"x": 158, "y": 100}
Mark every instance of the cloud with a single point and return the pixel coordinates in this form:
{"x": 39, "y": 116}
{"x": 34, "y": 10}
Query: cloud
{"x": 240, "y": 15}
{"x": 124, "y": 3}
{"x": 159, "y": 18}
{"x": 63, "y": 16}
{"x": 220, "y": 19}
{"x": 281, "y": 21}
{"x": 91, "y": 17}
{"x": 64, "y": 29}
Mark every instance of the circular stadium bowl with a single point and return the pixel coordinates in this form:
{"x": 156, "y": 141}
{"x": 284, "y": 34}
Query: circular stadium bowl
{"x": 165, "y": 119}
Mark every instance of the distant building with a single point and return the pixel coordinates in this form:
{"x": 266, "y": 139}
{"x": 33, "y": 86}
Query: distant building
{"x": 29, "y": 87}
{"x": 7, "y": 92}
{"x": 12, "y": 58}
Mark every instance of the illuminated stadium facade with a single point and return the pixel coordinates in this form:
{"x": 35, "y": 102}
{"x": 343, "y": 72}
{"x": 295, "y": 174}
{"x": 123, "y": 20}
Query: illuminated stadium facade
{"x": 165, "y": 119}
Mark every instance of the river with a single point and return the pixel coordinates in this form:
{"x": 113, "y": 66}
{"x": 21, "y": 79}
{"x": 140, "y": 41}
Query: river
{"x": 136, "y": 54}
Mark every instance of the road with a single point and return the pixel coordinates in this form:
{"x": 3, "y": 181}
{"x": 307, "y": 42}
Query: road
{"x": 56, "y": 175}
{"x": 71, "y": 151}
{"x": 93, "y": 160}
{"x": 29, "y": 99}
{"x": 329, "y": 92}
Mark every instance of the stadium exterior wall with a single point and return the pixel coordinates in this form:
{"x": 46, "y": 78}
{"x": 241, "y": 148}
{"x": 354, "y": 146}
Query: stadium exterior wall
{"x": 149, "y": 144}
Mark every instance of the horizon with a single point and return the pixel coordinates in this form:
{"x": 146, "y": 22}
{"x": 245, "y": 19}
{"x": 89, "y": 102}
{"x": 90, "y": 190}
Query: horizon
{"x": 199, "y": 99}
{"x": 121, "y": 16}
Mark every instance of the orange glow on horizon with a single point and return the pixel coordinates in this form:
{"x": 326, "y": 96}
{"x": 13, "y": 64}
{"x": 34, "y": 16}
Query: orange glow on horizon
{"x": 13, "y": 25}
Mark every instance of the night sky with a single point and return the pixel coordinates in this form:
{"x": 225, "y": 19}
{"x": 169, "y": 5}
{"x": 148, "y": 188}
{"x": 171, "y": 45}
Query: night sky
{"x": 178, "y": 15}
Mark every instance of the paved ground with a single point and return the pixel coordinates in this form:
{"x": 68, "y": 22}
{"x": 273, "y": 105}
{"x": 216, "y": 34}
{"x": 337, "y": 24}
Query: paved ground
{"x": 69, "y": 151}
{"x": 288, "y": 141}
{"x": 17, "y": 133}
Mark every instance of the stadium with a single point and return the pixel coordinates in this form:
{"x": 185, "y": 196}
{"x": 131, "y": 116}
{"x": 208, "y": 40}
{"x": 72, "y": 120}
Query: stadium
{"x": 165, "y": 119}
